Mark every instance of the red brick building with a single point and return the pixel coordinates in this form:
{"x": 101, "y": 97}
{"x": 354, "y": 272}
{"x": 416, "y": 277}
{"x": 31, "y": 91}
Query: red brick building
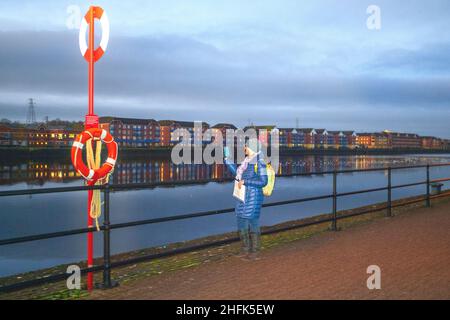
{"x": 11, "y": 136}
{"x": 263, "y": 132}
{"x": 335, "y": 139}
{"x": 432, "y": 143}
{"x": 320, "y": 139}
{"x": 373, "y": 140}
{"x": 222, "y": 128}
{"x": 128, "y": 132}
{"x": 308, "y": 137}
{"x": 167, "y": 127}
{"x": 397, "y": 140}
{"x": 446, "y": 144}
{"x": 5, "y": 135}
{"x": 349, "y": 140}
{"x": 43, "y": 136}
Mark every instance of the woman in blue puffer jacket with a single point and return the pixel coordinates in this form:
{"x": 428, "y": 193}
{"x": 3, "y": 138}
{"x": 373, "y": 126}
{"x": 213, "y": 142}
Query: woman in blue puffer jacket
{"x": 253, "y": 175}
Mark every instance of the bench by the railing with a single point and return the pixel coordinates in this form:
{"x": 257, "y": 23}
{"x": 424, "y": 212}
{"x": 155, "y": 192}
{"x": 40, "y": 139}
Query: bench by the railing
{"x": 107, "y": 226}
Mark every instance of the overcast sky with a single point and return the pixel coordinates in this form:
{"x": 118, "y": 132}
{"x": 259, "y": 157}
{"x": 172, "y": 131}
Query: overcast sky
{"x": 268, "y": 62}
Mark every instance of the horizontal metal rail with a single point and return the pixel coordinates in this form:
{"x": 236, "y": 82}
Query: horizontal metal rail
{"x": 44, "y": 236}
{"x": 440, "y": 180}
{"x": 407, "y": 185}
{"x": 350, "y": 193}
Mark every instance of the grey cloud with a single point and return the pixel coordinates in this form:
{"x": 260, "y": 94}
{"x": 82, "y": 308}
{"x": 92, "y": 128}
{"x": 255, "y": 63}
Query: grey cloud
{"x": 429, "y": 59}
{"x": 172, "y": 76}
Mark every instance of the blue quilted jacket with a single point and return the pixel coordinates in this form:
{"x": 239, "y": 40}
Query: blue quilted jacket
{"x": 254, "y": 182}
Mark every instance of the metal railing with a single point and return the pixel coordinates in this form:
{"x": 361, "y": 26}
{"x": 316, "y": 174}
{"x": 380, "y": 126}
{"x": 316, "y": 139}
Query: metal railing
{"x": 106, "y": 228}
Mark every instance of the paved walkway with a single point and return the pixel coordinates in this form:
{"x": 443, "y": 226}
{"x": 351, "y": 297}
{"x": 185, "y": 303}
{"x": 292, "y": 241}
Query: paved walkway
{"x": 412, "y": 250}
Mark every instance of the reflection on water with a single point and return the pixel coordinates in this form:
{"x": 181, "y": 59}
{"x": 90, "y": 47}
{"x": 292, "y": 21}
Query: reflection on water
{"x": 162, "y": 170}
{"x": 41, "y": 213}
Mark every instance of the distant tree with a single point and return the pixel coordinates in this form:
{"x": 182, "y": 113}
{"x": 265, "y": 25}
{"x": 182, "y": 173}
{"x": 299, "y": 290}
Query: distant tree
{"x": 66, "y": 124}
{"x": 5, "y": 121}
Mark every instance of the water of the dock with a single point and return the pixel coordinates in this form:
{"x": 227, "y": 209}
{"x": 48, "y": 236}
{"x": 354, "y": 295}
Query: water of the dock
{"x": 412, "y": 250}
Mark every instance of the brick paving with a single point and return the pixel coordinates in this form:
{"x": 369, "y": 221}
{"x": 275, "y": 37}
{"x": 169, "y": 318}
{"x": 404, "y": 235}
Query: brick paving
{"x": 412, "y": 250}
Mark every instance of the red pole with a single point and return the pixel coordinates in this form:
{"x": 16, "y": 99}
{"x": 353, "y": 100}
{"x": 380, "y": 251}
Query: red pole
{"x": 91, "y": 61}
{"x": 91, "y": 119}
{"x": 89, "y": 124}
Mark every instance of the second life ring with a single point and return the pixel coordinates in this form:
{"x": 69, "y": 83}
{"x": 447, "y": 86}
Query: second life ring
{"x": 76, "y": 154}
{"x": 98, "y": 13}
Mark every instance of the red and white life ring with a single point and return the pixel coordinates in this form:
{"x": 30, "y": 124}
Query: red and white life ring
{"x": 77, "y": 160}
{"x": 101, "y": 15}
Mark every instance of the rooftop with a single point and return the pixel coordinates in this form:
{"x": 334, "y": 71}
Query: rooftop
{"x": 126, "y": 120}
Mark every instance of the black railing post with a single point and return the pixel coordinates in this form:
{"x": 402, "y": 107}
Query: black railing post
{"x": 334, "y": 223}
{"x": 428, "y": 186}
{"x": 389, "y": 188}
{"x": 107, "y": 282}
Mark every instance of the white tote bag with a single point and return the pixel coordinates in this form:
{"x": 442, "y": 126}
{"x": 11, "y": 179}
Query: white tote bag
{"x": 239, "y": 193}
